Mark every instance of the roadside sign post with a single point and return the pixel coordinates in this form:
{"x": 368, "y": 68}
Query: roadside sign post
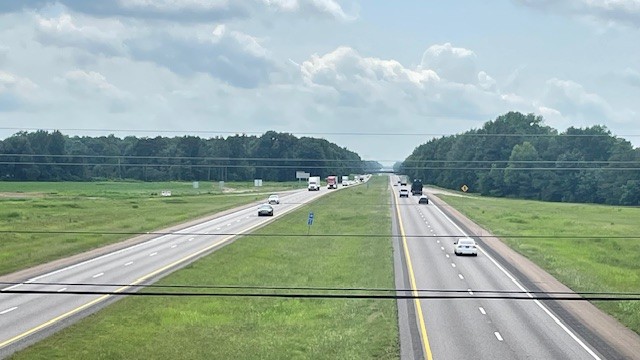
{"x": 309, "y": 222}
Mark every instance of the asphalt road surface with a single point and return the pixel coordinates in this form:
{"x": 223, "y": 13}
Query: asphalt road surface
{"x": 468, "y": 328}
{"x": 25, "y": 318}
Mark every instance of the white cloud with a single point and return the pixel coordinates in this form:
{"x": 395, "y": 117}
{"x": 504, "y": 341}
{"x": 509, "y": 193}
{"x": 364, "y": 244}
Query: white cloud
{"x": 451, "y": 63}
{"x": 329, "y": 8}
{"x": 607, "y": 11}
{"x": 230, "y": 55}
{"x": 575, "y": 102}
{"x": 93, "y": 35}
{"x": 15, "y": 91}
{"x": 93, "y": 85}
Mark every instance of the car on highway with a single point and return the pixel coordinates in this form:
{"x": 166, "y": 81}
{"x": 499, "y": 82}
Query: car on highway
{"x": 273, "y": 199}
{"x": 265, "y": 210}
{"x": 465, "y": 246}
{"x": 423, "y": 199}
{"x": 404, "y": 193}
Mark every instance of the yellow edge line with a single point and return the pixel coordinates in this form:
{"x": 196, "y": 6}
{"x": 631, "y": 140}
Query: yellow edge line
{"x": 412, "y": 279}
{"x": 103, "y": 297}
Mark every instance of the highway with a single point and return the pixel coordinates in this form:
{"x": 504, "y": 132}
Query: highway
{"x": 468, "y": 328}
{"x": 24, "y": 318}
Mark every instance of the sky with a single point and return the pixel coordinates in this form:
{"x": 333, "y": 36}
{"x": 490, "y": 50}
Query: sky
{"x": 376, "y": 77}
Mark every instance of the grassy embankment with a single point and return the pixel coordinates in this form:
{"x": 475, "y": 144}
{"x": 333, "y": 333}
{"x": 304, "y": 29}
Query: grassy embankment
{"x": 262, "y": 328}
{"x": 32, "y": 212}
{"x": 601, "y": 251}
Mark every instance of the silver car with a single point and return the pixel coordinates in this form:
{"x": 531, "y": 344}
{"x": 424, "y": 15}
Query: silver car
{"x": 273, "y": 199}
{"x": 465, "y": 246}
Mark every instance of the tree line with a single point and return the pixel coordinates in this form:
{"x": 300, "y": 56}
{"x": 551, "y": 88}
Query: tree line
{"x": 52, "y": 156}
{"x": 517, "y": 156}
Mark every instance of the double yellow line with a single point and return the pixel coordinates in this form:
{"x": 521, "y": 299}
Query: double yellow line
{"x": 423, "y": 328}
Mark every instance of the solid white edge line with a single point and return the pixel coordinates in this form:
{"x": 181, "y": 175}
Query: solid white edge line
{"x": 537, "y": 302}
{"x": 8, "y": 310}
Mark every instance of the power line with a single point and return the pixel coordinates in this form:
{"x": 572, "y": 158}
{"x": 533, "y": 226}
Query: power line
{"x": 322, "y": 288}
{"x": 304, "y": 235}
{"x": 306, "y": 133}
{"x": 362, "y": 296}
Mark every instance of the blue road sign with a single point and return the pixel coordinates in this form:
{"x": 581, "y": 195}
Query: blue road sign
{"x": 310, "y": 221}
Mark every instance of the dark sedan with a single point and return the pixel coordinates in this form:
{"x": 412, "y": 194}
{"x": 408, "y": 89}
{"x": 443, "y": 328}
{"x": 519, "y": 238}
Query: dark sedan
{"x": 265, "y": 210}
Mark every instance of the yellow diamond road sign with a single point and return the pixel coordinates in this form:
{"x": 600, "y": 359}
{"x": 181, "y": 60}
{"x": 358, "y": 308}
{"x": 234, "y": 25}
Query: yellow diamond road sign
{"x": 464, "y": 188}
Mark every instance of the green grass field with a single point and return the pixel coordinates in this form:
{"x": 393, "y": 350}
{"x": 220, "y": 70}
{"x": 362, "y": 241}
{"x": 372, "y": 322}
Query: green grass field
{"x": 262, "y": 328}
{"x": 587, "y": 247}
{"x": 35, "y": 216}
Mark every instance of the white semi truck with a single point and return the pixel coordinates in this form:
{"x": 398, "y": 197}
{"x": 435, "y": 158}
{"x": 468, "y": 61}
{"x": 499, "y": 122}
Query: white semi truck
{"x": 314, "y": 183}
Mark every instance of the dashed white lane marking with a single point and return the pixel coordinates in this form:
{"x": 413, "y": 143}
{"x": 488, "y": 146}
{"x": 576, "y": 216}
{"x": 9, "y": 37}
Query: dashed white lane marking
{"x": 438, "y": 241}
{"x": 247, "y": 217}
{"x": 461, "y": 277}
{"x": 97, "y": 275}
{"x": 453, "y": 265}
{"x": 129, "y": 263}
{"x": 228, "y": 224}
{"x": 447, "y": 255}
{"x": 173, "y": 246}
{"x": 190, "y": 239}
{"x": 470, "y": 292}
{"x": 153, "y": 254}
{"x": 498, "y": 336}
{"x": 218, "y": 228}
{"x": 238, "y": 220}
{"x": 8, "y": 310}
{"x": 62, "y": 290}
{"x": 482, "y": 310}
{"x": 441, "y": 248}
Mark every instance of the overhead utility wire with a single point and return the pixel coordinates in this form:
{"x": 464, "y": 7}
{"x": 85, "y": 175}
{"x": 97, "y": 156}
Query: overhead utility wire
{"x": 316, "y": 288}
{"x": 304, "y": 234}
{"x": 329, "y": 296}
{"x": 346, "y": 133}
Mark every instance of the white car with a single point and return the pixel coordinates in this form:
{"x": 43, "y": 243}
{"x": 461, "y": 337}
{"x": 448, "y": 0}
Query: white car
{"x": 273, "y": 199}
{"x": 404, "y": 193}
{"x": 465, "y": 246}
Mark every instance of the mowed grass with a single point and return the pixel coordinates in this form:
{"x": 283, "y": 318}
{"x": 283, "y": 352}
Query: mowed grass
{"x": 40, "y": 222}
{"x": 587, "y": 247}
{"x": 280, "y": 254}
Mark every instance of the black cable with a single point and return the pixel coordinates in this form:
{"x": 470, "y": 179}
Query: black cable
{"x": 304, "y": 234}
{"x": 329, "y": 296}
{"x": 315, "y": 288}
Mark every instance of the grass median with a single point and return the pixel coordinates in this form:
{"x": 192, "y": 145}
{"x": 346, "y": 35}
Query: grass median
{"x": 344, "y": 249}
{"x": 41, "y": 222}
{"x": 587, "y": 247}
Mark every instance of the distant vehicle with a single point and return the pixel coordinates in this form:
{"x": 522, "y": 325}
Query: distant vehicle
{"x": 332, "y": 182}
{"x": 423, "y": 199}
{"x": 273, "y": 199}
{"x": 416, "y": 187}
{"x": 345, "y": 180}
{"x": 314, "y": 183}
{"x": 265, "y": 210}
{"x": 403, "y": 183}
{"x": 404, "y": 193}
{"x": 465, "y": 246}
